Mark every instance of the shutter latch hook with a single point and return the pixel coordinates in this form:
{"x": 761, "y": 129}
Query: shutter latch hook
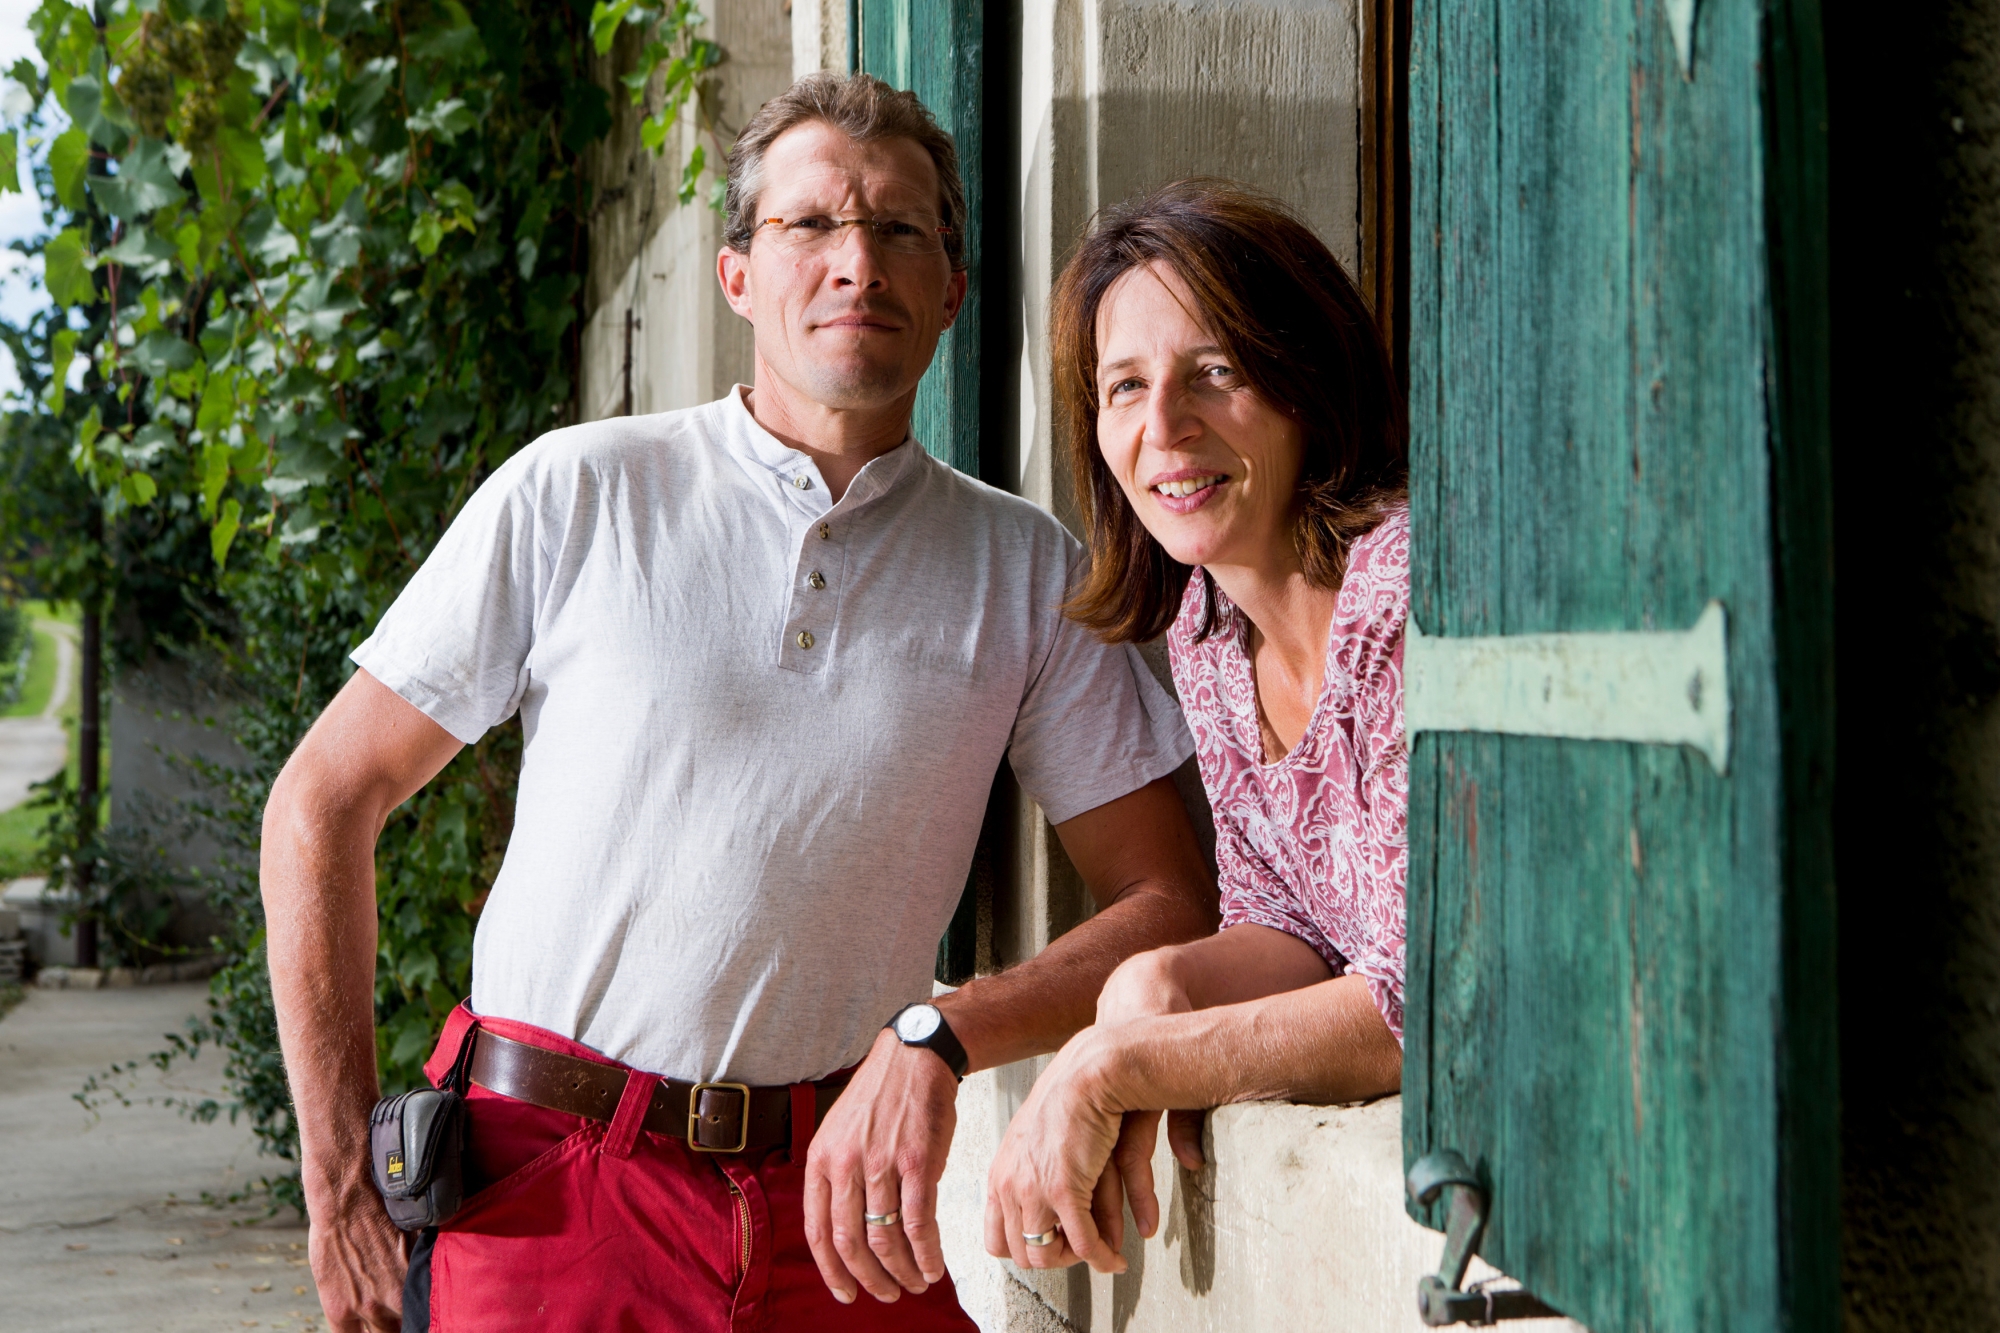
{"x": 1439, "y": 1298}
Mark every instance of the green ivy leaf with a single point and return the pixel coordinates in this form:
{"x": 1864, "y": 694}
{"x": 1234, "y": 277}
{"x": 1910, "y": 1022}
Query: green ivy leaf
{"x": 427, "y": 233}
{"x": 10, "y": 164}
{"x": 448, "y": 119}
{"x": 215, "y": 459}
{"x": 161, "y": 353}
{"x": 142, "y": 248}
{"x": 138, "y": 488}
{"x": 144, "y": 182}
{"x": 69, "y": 159}
{"x": 691, "y": 174}
{"x": 223, "y": 533}
{"x": 66, "y": 270}
{"x": 604, "y": 21}
{"x": 62, "y": 351}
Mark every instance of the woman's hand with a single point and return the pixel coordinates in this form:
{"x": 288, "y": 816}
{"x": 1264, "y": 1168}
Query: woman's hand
{"x": 1148, "y": 985}
{"x": 1051, "y": 1169}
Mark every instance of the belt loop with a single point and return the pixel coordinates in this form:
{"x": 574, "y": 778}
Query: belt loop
{"x": 451, "y": 1046}
{"x": 631, "y": 1114}
{"x": 805, "y": 1119}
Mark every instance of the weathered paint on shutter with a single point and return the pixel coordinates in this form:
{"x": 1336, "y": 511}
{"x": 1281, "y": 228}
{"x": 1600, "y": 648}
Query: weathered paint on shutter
{"x": 1620, "y": 965}
{"x": 935, "y": 48}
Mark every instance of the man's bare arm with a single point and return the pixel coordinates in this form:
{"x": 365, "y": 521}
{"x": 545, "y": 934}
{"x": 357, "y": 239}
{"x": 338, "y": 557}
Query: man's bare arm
{"x": 883, "y": 1146}
{"x": 1140, "y": 859}
{"x": 368, "y": 753}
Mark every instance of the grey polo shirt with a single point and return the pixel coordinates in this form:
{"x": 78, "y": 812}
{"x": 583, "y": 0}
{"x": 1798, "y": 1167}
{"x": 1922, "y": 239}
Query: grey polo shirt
{"x": 761, "y": 728}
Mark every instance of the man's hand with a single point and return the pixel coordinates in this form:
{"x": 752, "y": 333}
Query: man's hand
{"x": 880, "y": 1150}
{"x": 357, "y": 1259}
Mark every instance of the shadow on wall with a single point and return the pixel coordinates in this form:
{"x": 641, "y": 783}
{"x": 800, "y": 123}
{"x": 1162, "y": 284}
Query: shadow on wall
{"x": 1298, "y": 149}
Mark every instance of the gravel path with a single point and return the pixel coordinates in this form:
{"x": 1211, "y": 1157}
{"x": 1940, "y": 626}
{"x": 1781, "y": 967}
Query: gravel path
{"x": 102, "y": 1224}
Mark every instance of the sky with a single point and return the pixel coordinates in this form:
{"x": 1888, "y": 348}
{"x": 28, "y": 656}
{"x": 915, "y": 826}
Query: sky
{"x": 20, "y": 212}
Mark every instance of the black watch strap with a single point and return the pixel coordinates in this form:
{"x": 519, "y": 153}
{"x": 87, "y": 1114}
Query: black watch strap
{"x": 943, "y": 1042}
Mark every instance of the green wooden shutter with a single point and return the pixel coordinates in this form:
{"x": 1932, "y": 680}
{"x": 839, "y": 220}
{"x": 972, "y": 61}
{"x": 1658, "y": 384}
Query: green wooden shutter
{"x": 935, "y": 48}
{"x": 1620, "y": 1004}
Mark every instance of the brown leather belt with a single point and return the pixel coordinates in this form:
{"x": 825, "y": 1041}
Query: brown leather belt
{"x": 712, "y": 1117}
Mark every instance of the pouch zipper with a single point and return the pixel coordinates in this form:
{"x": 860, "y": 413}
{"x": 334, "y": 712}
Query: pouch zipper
{"x": 742, "y": 1231}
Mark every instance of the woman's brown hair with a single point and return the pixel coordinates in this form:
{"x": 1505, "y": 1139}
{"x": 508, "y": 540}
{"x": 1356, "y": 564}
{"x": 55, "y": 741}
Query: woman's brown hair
{"x": 1298, "y": 332}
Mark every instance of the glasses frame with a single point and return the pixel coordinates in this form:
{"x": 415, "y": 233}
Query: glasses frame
{"x": 873, "y": 224}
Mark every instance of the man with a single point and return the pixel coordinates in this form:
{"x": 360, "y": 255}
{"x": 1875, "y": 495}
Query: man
{"x": 768, "y": 655}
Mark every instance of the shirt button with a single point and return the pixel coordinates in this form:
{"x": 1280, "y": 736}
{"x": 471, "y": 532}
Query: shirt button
{"x": 803, "y": 482}
{"x": 817, "y": 579}
{"x": 825, "y": 533}
{"x": 805, "y": 638}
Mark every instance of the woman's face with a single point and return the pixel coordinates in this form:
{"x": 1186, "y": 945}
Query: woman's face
{"x": 1211, "y": 469}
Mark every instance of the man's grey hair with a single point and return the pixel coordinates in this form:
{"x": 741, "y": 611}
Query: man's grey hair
{"x": 863, "y": 108}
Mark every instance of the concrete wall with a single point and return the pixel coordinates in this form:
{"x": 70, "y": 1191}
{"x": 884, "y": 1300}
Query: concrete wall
{"x": 1915, "y": 127}
{"x": 161, "y": 717}
{"x": 652, "y": 257}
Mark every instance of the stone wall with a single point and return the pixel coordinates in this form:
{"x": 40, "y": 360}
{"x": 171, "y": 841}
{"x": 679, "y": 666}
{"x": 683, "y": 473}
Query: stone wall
{"x": 655, "y": 323}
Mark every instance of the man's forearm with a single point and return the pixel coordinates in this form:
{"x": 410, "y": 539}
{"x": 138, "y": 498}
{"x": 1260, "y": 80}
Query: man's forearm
{"x": 318, "y": 877}
{"x": 1034, "y": 1007}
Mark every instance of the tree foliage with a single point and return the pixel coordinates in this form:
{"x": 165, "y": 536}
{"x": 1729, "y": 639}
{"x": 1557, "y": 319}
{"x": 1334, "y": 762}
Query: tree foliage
{"x": 315, "y": 272}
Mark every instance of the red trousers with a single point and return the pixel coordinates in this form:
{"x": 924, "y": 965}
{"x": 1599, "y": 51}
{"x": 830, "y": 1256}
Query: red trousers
{"x": 571, "y": 1225}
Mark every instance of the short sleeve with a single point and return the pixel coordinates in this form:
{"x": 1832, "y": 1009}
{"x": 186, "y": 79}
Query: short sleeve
{"x": 1253, "y": 895}
{"x": 455, "y": 643}
{"x": 1093, "y": 726}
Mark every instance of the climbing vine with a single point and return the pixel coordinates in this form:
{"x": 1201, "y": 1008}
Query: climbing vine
{"x": 314, "y": 271}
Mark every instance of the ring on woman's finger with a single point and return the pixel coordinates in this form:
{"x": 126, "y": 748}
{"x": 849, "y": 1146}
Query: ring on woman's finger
{"x": 1041, "y": 1238}
{"x": 887, "y": 1219}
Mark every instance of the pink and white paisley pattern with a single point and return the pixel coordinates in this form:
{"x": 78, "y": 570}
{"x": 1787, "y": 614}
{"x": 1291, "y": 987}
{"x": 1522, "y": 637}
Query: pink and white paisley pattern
{"x": 1317, "y": 844}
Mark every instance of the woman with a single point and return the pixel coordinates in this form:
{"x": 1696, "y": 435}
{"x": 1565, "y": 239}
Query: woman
{"x": 1237, "y": 444}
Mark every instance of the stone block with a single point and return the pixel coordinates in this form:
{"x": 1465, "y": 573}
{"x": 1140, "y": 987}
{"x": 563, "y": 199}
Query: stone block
{"x": 70, "y": 978}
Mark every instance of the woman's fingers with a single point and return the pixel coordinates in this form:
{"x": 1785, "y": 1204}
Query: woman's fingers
{"x": 1184, "y": 1129}
{"x": 1133, "y": 1160}
{"x": 1081, "y": 1234}
{"x": 1107, "y": 1208}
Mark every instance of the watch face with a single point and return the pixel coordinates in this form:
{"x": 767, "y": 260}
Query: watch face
{"x": 918, "y": 1022}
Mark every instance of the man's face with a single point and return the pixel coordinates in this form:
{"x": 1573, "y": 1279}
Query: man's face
{"x": 848, "y": 324}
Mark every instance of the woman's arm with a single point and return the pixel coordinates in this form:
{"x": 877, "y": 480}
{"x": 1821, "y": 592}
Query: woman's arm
{"x": 1245, "y": 962}
{"x": 1280, "y": 1030}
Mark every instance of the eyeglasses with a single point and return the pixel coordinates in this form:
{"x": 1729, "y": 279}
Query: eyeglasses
{"x": 898, "y": 233}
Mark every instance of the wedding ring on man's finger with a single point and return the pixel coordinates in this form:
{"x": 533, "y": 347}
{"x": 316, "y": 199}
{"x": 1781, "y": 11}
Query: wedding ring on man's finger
{"x": 1041, "y": 1238}
{"x": 887, "y": 1219}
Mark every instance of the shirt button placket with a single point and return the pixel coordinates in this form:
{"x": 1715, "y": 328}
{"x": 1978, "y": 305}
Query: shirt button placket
{"x": 812, "y": 601}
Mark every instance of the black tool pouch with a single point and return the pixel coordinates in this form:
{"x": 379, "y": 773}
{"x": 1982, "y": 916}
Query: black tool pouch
{"x": 416, "y": 1145}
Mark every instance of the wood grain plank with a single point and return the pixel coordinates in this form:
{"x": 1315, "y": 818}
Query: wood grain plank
{"x": 1619, "y": 961}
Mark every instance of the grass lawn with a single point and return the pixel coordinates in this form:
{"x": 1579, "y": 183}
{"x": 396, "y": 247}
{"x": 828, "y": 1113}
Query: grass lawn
{"x": 20, "y": 828}
{"x": 41, "y": 679}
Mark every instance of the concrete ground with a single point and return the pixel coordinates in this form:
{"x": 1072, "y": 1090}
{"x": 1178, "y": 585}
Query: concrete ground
{"x": 102, "y": 1224}
{"x": 33, "y": 749}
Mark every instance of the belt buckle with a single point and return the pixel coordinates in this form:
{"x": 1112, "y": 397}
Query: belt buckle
{"x": 694, "y": 1117}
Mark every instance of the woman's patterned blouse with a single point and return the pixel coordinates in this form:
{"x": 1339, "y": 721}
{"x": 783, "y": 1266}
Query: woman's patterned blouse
{"x": 1317, "y": 844}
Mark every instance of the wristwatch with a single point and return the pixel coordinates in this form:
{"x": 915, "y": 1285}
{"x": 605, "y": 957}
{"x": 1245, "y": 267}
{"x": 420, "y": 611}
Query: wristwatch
{"x": 923, "y": 1025}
